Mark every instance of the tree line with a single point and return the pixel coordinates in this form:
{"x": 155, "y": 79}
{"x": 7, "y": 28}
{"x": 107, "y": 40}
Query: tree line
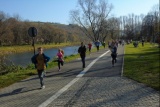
{"x": 13, "y": 31}
{"x": 96, "y": 22}
{"x": 91, "y": 19}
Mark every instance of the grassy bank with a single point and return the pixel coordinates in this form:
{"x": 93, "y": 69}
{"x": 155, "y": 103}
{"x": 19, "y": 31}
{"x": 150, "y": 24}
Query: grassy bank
{"x": 4, "y": 50}
{"x": 142, "y": 64}
{"x": 19, "y": 73}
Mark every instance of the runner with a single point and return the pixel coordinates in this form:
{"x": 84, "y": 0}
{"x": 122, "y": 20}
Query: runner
{"x": 109, "y": 44}
{"x": 114, "y": 53}
{"x": 89, "y": 47}
{"x": 60, "y": 60}
{"x": 122, "y": 42}
{"x": 82, "y": 52}
{"x": 40, "y": 60}
{"x": 97, "y": 43}
{"x": 104, "y": 44}
{"x": 142, "y": 42}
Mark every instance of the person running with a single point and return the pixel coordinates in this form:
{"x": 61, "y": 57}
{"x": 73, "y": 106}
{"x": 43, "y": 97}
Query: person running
{"x": 82, "y": 52}
{"x": 89, "y": 47}
{"x": 109, "y": 44}
{"x": 122, "y": 42}
{"x": 116, "y": 42}
{"x": 114, "y": 53}
{"x": 97, "y": 43}
{"x": 40, "y": 60}
{"x": 60, "y": 60}
{"x": 104, "y": 44}
{"x": 142, "y": 42}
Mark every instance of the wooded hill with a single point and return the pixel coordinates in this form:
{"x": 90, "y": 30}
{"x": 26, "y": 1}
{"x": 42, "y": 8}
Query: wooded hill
{"x": 15, "y": 32}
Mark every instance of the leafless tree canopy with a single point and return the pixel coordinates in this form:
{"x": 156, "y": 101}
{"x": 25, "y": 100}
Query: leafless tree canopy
{"x": 91, "y": 16}
{"x": 141, "y": 27}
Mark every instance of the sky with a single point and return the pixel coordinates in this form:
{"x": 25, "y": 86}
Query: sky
{"x": 57, "y": 11}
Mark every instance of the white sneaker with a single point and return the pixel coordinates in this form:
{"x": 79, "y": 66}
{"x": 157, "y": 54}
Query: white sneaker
{"x": 43, "y": 87}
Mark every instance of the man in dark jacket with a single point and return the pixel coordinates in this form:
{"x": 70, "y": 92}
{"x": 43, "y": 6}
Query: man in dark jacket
{"x": 40, "y": 60}
{"x": 114, "y": 54}
{"x": 82, "y": 52}
{"x": 97, "y": 44}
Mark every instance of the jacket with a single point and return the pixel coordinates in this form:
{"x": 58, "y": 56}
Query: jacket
{"x": 82, "y": 50}
{"x": 34, "y": 60}
{"x": 114, "y": 50}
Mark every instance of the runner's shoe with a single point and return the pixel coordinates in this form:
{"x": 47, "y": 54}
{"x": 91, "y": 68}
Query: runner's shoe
{"x": 43, "y": 87}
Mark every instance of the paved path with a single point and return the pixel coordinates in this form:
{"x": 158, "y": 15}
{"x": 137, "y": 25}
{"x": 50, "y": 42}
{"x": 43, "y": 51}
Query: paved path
{"x": 99, "y": 85}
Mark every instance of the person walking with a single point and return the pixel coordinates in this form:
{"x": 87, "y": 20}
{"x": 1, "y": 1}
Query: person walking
{"x": 60, "y": 56}
{"x": 89, "y": 47}
{"x": 114, "y": 53}
{"x": 40, "y": 61}
{"x": 82, "y": 52}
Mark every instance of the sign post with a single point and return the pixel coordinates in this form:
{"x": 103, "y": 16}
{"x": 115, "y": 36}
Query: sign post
{"x": 32, "y": 31}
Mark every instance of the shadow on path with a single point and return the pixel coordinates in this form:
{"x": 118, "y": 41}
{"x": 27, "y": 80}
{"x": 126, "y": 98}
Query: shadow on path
{"x": 18, "y": 91}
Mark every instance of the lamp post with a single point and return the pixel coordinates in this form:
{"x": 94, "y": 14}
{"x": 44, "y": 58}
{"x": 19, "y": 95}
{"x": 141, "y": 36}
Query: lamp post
{"x": 32, "y": 31}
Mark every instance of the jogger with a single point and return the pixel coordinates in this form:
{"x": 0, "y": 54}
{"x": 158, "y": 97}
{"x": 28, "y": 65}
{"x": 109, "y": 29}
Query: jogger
{"x": 40, "y": 60}
{"x": 82, "y": 52}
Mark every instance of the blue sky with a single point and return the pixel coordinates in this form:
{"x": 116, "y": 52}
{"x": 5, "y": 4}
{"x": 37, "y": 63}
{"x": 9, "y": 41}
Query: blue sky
{"x": 57, "y": 11}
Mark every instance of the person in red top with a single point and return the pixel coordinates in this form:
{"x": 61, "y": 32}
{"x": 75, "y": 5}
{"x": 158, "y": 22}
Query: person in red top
{"x": 89, "y": 47}
{"x": 60, "y": 56}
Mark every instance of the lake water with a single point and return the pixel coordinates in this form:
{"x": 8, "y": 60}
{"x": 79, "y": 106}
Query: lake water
{"x": 23, "y": 59}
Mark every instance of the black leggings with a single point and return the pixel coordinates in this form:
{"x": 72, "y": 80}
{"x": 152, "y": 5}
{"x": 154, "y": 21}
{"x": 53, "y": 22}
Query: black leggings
{"x": 97, "y": 48}
{"x": 114, "y": 56}
{"x": 83, "y": 61}
{"x": 59, "y": 64}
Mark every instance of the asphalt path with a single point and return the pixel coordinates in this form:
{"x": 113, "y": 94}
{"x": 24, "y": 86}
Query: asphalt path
{"x": 98, "y": 85}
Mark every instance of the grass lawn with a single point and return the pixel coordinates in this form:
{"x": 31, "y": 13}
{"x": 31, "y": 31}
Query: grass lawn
{"x": 142, "y": 64}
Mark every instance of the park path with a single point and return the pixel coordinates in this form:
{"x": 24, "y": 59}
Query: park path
{"x": 101, "y": 85}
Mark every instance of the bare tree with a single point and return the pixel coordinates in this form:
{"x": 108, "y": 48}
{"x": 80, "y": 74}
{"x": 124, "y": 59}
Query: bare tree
{"x": 113, "y": 28}
{"x": 156, "y": 21}
{"x": 91, "y": 16}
